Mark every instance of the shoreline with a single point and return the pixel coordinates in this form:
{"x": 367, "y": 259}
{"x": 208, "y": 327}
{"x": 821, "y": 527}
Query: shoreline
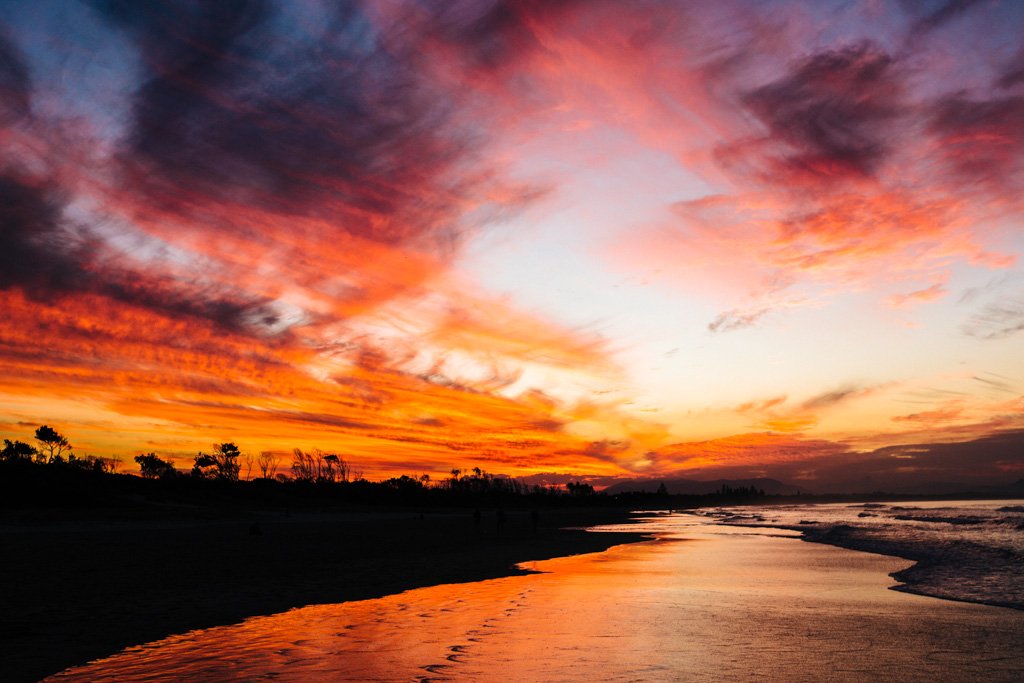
{"x": 912, "y": 579}
{"x": 933, "y": 574}
{"x": 83, "y": 590}
{"x": 698, "y": 604}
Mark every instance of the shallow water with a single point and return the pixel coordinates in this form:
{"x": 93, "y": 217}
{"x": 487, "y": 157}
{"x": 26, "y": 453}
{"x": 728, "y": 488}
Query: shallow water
{"x": 967, "y": 550}
{"x": 704, "y": 602}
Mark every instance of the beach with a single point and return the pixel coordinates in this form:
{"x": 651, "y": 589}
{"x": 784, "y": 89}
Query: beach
{"x": 79, "y": 585}
{"x": 703, "y": 602}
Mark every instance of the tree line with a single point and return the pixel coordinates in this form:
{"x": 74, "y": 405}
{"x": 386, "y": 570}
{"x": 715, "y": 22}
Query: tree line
{"x": 54, "y": 449}
{"x": 331, "y": 474}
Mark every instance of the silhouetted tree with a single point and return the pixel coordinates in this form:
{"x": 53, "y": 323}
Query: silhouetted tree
{"x": 151, "y": 466}
{"x": 267, "y": 462}
{"x": 453, "y": 483}
{"x": 336, "y": 468}
{"x": 89, "y": 463}
{"x": 329, "y": 468}
{"x": 221, "y": 464}
{"x": 662, "y": 489}
{"x": 404, "y": 483}
{"x": 317, "y": 466}
{"x": 17, "y": 450}
{"x": 306, "y": 466}
{"x": 202, "y": 466}
{"x": 52, "y": 443}
{"x": 579, "y": 488}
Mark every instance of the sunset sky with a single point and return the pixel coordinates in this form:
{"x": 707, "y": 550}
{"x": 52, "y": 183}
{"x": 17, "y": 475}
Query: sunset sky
{"x": 585, "y": 238}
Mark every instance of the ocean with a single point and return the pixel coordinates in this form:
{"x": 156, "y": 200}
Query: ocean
{"x": 963, "y": 550}
{"x": 727, "y": 594}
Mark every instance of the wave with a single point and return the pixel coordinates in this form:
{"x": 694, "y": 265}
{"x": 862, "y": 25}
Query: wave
{"x": 972, "y": 552}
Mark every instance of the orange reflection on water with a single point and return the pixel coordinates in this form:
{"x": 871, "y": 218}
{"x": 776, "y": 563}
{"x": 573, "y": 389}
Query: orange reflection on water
{"x": 720, "y": 604}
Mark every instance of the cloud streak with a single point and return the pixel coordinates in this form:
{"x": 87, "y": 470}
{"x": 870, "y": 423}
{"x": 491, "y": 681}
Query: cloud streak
{"x": 246, "y": 219}
{"x": 851, "y": 166}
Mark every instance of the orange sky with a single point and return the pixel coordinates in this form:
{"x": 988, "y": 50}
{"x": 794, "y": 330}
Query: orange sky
{"x": 550, "y": 240}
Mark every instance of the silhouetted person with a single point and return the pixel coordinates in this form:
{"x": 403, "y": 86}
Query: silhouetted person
{"x": 501, "y": 520}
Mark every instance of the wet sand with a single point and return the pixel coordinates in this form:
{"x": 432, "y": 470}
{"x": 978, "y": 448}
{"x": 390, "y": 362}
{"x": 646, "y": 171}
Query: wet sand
{"x": 706, "y": 603}
{"x": 76, "y": 591}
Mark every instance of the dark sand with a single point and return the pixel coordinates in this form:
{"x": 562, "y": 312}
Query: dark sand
{"x": 77, "y": 591}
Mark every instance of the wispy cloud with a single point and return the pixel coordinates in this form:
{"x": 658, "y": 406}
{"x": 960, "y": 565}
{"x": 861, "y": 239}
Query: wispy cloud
{"x": 736, "y": 320}
{"x": 851, "y": 168}
{"x": 997, "y": 320}
{"x": 242, "y": 219}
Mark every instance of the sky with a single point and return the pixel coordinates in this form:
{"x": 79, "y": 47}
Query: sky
{"x": 552, "y": 239}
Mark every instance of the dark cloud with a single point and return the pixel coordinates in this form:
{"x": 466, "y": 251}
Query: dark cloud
{"x": 606, "y": 450}
{"x": 994, "y": 285}
{"x": 15, "y": 84}
{"x": 320, "y": 419}
{"x": 831, "y": 114}
{"x": 736, "y": 320}
{"x": 761, "y": 406}
{"x": 831, "y": 398}
{"x": 1013, "y": 73}
{"x": 998, "y": 383}
{"x": 982, "y": 139}
{"x": 241, "y": 107}
{"x": 941, "y": 16}
{"x": 991, "y": 460}
{"x": 995, "y": 460}
{"x": 32, "y": 255}
{"x": 184, "y": 35}
{"x": 544, "y": 425}
{"x": 491, "y": 35}
{"x": 931, "y": 417}
{"x": 44, "y": 257}
{"x": 997, "y": 320}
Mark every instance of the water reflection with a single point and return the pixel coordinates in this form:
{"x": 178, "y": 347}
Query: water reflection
{"x": 702, "y": 603}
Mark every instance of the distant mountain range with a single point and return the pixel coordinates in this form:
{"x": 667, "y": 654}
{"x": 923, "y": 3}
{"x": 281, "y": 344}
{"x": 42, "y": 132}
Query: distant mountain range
{"x": 695, "y": 487}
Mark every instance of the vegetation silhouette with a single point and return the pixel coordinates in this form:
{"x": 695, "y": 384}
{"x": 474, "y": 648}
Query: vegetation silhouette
{"x": 316, "y": 479}
{"x": 151, "y": 466}
{"x": 18, "y": 450}
{"x": 52, "y": 475}
{"x": 52, "y": 443}
{"x": 222, "y": 464}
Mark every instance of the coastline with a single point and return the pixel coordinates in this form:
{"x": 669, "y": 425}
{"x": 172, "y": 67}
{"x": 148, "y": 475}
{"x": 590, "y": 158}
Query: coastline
{"x": 697, "y": 603}
{"x": 920, "y": 578}
{"x": 953, "y": 570}
{"x": 78, "y": 591}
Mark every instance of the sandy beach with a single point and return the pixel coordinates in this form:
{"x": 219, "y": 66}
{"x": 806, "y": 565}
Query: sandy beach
{"x": 702, "y": 603}
{"x": 76, "y": 591}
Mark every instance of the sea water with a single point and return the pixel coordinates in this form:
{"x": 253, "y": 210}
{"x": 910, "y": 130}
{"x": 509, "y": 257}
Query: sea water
{"x": 703, "y": 601}
{"x": 964, "y": 550}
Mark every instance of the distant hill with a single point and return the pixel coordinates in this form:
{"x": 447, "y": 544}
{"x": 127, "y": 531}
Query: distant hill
{"x": 695, "y": 487}
{"x": 909, "y": 485}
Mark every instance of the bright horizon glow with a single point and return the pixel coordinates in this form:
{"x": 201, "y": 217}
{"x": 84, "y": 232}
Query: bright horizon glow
{"x": 592, "y": 240}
